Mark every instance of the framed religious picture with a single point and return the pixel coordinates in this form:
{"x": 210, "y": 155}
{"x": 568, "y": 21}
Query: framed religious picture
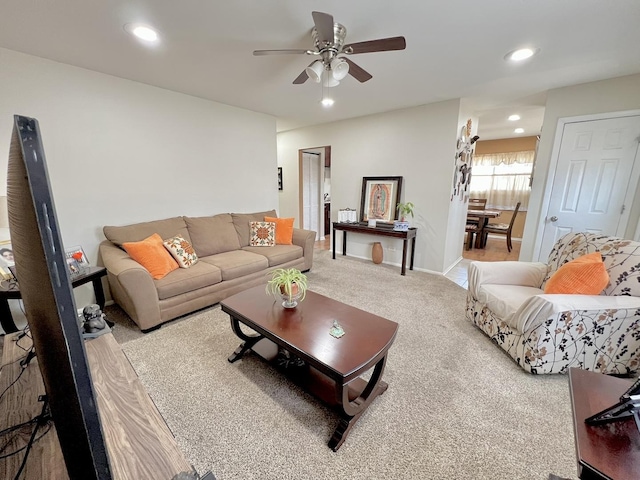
{"x": 380, "y": 196}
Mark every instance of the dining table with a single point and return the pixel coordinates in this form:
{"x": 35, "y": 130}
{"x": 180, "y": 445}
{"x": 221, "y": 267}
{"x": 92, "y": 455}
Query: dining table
{"x": 482, "y": 217}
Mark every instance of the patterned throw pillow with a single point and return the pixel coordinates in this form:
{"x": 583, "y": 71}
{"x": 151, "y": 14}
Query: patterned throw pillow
{"x": 262, "y": 234}
{"x": 181, "y": 250}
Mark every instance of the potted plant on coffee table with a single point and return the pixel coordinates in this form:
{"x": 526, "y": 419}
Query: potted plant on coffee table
{"x": 404, "y": 209}
{"x": 290, "y": 284}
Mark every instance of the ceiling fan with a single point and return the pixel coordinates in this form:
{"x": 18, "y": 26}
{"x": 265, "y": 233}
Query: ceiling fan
{"x": 328, "y": 38}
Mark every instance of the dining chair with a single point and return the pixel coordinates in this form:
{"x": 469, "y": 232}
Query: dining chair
{"x": 470, "y": 230}
{"x": 476, "y": 204}
{"x": 502, "y": 228}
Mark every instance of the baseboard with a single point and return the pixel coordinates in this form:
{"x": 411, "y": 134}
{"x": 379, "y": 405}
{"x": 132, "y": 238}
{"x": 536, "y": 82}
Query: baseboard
{"x": 393, "y": 264}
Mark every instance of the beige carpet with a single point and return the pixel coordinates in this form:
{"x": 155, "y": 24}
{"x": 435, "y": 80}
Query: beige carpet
{"x": 457, "y": 406}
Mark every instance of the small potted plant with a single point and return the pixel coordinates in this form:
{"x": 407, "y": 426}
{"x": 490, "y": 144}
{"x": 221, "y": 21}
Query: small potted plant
{"x": 404, "y": 209}
{"x": 290, "y": 284}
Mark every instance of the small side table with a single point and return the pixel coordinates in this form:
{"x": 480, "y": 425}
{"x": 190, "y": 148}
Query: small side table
{"x": 94, "y": 276}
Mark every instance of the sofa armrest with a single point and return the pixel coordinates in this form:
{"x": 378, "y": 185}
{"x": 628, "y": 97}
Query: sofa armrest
{"x": 527, "y": 274}
{"x": 539, "y": 308}
{"x": 132, "y": 286}
{"x": 305, "y": 239}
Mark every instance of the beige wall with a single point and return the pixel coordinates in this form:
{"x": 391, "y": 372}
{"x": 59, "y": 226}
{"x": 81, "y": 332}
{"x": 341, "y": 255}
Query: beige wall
{"x": 120, "y": 152}
{"x": 613, "y": 95}
{"x": 417, "y": 143}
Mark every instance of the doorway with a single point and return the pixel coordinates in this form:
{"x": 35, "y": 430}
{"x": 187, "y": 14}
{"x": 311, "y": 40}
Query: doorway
{"x": 593, "y": 180}
{"x": 315, "y": 190}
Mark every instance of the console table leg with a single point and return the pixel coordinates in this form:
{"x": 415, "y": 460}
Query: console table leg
{"x": 333, "y": 240}
{"x": 404, "y": 257}
{"x": 413, "y": 252}
{"x": 344, "y": 242}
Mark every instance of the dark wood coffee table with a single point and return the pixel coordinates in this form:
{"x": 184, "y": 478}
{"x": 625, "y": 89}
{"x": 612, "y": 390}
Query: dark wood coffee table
{"x": 332, "y": 366}
{"x": 610, "y": 451}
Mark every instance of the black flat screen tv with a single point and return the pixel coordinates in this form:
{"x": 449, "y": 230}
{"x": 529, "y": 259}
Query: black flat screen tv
{"x": 50, "y": 307}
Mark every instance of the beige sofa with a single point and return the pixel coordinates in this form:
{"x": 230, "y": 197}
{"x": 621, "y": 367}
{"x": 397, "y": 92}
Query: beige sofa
{"x": 226, "y": 264}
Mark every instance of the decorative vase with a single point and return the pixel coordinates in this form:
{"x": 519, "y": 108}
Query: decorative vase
{"x": 376, "y": 252}
{"x": 290, "y": 301}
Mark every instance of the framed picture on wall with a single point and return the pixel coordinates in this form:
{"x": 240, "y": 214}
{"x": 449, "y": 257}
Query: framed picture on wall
{"x": 279, "y": 178}
{"x": 380, "y": 195}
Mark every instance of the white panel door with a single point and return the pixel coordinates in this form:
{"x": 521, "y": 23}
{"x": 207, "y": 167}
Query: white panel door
{"x": 311, "y": 192}
{"x": 592, "y": 178}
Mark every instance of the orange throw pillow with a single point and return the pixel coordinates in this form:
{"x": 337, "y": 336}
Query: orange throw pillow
{"x": 284, "y": 229}
{"x": 586, "y": 275}
{"x": 152, "y": 255}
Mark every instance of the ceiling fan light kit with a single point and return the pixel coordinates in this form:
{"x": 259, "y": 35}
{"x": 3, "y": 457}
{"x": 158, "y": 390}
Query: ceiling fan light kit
{"x": 314, "y": 71}
{"x": 329, "y": 44}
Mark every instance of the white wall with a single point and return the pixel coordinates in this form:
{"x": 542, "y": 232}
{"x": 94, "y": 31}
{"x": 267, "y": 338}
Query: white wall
{"x": 121, "y": 152}
{"x": 613, "y": 95}
{"x": 417, "y": 143}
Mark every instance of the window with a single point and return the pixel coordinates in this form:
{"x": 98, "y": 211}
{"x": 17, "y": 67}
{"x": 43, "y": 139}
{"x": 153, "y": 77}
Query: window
{"x": 503, "y": 179}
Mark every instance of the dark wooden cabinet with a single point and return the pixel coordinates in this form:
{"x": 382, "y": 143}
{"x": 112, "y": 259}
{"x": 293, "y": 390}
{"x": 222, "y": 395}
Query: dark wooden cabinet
{"x": 327, "y": 218}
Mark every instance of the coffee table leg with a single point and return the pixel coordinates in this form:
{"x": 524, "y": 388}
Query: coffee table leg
{"x": 249, "y": 341}
{"x": 352, "y": 410}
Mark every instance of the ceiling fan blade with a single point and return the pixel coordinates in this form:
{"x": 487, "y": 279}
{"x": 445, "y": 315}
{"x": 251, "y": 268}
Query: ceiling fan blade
{"x": 358, "y": 72}
{"x": 380, "y": 45}
{"x": 324, "y": 26}
{"x": 280, "y": 52}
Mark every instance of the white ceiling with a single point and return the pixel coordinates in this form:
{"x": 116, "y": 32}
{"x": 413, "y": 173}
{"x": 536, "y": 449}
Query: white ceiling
{"x": 455, "y": 48}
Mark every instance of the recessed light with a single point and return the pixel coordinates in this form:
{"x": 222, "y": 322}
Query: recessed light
{"x": 519, "y": 130}
{"x": 521, "y": 54}
{"x": 514, "y": 118}
{"x": 143, "y": 32}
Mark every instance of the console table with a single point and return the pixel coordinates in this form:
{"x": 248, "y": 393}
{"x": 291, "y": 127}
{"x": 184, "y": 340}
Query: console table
{"x": 610, "y": 451}
{"x": 139, "y": 442}
{"x": 383, "y": 231}
{"x": 11, "y": 290}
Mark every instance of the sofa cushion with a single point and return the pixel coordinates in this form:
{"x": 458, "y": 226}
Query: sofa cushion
{"x": 181, "y": 251}
{"x": 237, "y": 263}
{"x": 505, "y": 300}
{"x": 263, "y": 234}
{"x": 278, "y": 254}
{"x": 212, "y": 235}
{"x": 139, "y": 231}
{"x": 151, "y": 254}
{"x": 184, "y": 280}
{"x": 241, "y": 223}
{"x": 586, "y": 275}
{"x": 284, "y": 229}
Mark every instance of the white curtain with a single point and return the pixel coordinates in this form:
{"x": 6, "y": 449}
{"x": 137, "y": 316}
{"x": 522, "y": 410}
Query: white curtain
{"x": 502, "y": 178}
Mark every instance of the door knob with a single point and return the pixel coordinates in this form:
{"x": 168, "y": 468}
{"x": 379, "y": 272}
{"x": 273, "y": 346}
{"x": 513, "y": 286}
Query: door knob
{"x": 554, "y": 219}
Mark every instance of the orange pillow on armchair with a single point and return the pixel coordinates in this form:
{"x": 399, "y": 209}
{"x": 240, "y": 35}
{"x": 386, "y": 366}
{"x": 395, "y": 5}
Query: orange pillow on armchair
{"x": 586, "y": 275}
{"x": 284, "y": 229}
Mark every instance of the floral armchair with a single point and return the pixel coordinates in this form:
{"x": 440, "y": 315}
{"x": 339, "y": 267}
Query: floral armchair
{"x": 549, "y": 333}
